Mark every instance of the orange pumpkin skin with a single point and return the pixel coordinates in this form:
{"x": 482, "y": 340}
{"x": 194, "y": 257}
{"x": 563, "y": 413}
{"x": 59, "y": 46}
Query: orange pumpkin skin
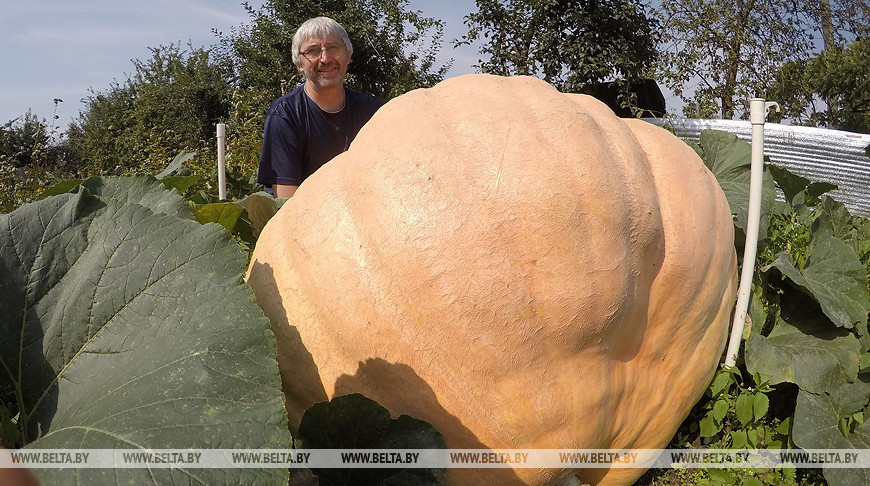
{"x": 514, "y": 265}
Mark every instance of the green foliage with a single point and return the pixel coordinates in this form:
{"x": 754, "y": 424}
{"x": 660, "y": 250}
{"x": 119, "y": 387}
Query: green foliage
{"x": 243, "y": 217}
{"x": 24, "y": 141}
{"x": 19, "y": 185}
{"x": 728, "y": 158}
{"x": 835, "y": 420}
{"x": 719, "y": 51}
{"x": 30, "y": 159}
{"x": 127, "y": 325}
{"x": 171, "y": 103}
{"x": 568, "y": 44}
{"x": 737, "y": 413}
{"x": 356, "y": 422}
{"x": 181, "y": 97}
{"x": 803, "y": 379}
{"x": 724, "y": 477}
{"x": 839, "y": 75}
{"x": 102, "y": 138}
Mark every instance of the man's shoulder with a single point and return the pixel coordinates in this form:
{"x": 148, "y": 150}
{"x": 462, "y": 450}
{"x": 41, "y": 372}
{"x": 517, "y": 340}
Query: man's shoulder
{"x": 363, "y": 99}
{"x": 290, "y": 102}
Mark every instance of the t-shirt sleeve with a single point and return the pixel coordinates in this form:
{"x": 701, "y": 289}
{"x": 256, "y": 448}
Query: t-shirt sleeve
{"x": 281, "y": 155}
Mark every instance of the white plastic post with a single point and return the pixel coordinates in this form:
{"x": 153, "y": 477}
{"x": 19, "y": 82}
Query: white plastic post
{"x": 758, "y": 110}
{"x": 222, "y": 164}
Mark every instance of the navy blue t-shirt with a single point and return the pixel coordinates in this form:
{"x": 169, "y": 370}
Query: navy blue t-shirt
{"x": 299, "y": 137}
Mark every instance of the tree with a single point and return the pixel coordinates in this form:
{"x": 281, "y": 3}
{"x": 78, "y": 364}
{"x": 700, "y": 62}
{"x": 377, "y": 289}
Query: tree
{"x": 717, "y": 51}
{"x": 184, "y": 94}
{"x": 101, "y": 139}
{"x": 31, "y": 157}
{"x": 24, "y": 140}
{"x": 570, "y": 44}
{"x": 171, "y": 103}
{"x": 841, "y": 75}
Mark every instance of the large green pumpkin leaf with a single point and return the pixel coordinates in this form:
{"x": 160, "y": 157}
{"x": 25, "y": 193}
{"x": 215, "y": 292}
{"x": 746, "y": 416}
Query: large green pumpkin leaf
{"x": 176, "y": 164}
{"x": 180, "y": 183}
{"x": 144, "y": 190}
{"x": 129, "y": 329}
{"x": 260, "y": 208}
{"x": 793, "y": 185}
{"x": 810, "y": 353}
{"x": 834, "y": 276}
{"x": 816, "y": 426}
{"x": 729, "y": 159}
{"x": 62, "y": 187}
{"x": 853, "y": 230}
{"x": 356, "y": 422}
{"x": 723, "y": 152}
{"x": 224, "y": 214}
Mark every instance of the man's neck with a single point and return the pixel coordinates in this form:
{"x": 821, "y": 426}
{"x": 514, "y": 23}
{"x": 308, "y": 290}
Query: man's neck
{"x": 330, "y": 100}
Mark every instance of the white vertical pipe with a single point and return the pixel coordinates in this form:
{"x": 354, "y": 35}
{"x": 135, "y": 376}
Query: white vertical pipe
{"x": 758, "y": 110}
{"x": 222, "y": 163}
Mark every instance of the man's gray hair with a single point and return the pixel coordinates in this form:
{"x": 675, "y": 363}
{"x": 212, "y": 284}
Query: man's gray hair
{"x": 318, "y": 27}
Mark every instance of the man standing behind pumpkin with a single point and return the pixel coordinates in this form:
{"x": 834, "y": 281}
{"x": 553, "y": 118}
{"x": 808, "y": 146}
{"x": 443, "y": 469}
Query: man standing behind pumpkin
{"x": 309, "y": 126}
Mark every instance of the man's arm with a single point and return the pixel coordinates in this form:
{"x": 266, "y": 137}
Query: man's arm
{"x": 281, "y": 165}
{"x": 282, "y": 190}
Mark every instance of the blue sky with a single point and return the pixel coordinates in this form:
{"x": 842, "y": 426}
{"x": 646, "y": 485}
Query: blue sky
{"x": 60, "y": 48}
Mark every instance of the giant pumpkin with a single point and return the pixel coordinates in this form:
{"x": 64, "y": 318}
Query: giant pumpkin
{"x": 517, "y": 266}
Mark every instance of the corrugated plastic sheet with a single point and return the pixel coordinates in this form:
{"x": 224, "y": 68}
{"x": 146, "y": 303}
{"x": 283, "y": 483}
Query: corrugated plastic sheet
{"x": 816, "y": 153}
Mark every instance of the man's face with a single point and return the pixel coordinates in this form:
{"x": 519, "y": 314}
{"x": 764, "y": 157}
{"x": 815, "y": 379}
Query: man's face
{"x": 324, "y": 61}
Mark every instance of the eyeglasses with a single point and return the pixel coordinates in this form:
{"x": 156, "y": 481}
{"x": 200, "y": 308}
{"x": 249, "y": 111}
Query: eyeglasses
{"x": 313, "y": 53}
